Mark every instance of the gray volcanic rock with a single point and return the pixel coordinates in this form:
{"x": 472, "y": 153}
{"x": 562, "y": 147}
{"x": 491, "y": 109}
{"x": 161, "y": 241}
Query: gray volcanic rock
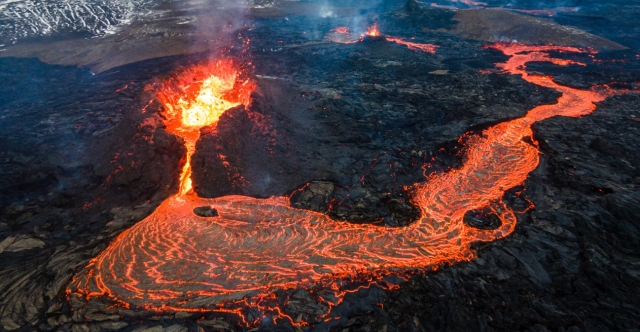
{"x": 79, "y": 165}
{"x": 499, "y": 25}
{"x": 23, "y": 19}
{"x": 205, "y": 211}
{"x": 13, "y": 244}
{"x": 315, "y": 196}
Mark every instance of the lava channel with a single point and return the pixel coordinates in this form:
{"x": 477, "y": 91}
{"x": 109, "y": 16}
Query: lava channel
{"x": 175, "y": 260}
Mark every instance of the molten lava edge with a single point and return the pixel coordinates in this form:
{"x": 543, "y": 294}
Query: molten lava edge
{"x": 175, "y": 260}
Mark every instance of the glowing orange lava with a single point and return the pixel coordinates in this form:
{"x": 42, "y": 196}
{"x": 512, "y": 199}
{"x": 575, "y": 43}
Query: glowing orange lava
{"x": 342, "y": 30}
{"x": 426, "y": 48}
{"x": 373, "y": 31}
{"x": 343, "y": 35}
{"x": 197, "y": 97}
{"x": 175, "y": 260}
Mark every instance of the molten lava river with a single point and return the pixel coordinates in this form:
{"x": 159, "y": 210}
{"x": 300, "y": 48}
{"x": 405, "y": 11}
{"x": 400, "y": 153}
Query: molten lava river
{"x": 175, "y": 260}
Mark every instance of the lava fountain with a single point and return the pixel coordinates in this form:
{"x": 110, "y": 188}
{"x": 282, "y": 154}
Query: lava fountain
{"x": 373, "y": 31}
{"x": 196, "y": 97}
{"x": 175, "y": 260}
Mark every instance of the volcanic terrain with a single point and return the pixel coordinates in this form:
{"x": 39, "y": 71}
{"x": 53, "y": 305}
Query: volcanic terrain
{"x": 383, "y": 166}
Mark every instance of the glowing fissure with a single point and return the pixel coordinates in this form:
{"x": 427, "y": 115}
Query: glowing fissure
{"x": 343, "y": 35}
{"x": 176, "y": 260}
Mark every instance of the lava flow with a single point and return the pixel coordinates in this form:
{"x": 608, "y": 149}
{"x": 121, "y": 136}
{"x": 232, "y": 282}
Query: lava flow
{"x": 175, "y": 260}
{"x": 343, "y": 35}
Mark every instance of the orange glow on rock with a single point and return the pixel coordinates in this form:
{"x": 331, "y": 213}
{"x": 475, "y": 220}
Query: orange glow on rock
{"x": 343, "y": 35}
{"x": 426, "y": 48}
{"x": 342, "y": 30}
{"x": 174, "y": 260}
{"x": 196, "y": 97}
{"x": 373, "y": 31}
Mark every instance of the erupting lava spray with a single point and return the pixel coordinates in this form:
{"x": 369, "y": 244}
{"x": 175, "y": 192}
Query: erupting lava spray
{"x": 178, "y": 261}
{"x": 197, "y": 97}
{"x": 373, "y": 31}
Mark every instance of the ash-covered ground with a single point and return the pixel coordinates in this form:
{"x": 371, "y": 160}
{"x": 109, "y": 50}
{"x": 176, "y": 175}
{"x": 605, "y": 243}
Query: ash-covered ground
{"x": 352, "y": 124}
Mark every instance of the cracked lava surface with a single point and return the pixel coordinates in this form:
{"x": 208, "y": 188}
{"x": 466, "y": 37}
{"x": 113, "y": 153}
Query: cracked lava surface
{"x": 175, "y": 260}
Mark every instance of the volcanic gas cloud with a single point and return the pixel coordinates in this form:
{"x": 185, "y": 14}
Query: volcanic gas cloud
{"x": 175, "y": 260}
